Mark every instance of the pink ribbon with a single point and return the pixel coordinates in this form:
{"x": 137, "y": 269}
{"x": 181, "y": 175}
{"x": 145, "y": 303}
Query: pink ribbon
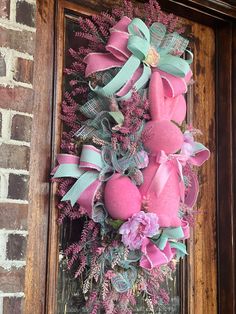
{"x": 65, "y": 159}
{"x": 153, "y": 256}
{"x": 186, "y": 229}
{"x": 168, "y": 164}
{"x": 197, "y": 152}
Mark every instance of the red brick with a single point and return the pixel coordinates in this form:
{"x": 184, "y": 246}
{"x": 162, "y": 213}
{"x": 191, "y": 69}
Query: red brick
{"x": 13, "y": 216}
{"x": 2, "y": 66}
{"x": 25, "y": 13}
{"x": 23, "y": 71}
{"x": 13, "y": 305}
{"x": 18, "y": 187}
{"x": 16, "y": 247}
{"x": 4, "y": 8}
{"x": 21, "y": 128}
{"x": 23, "y": 41}
{"x": 17, "y": 98}
{"x": 12, "y": 280}
{"x": 15, "y": 157}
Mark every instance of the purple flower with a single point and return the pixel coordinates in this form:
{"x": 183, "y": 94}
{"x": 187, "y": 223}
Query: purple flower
{"x": 139, "y": 227}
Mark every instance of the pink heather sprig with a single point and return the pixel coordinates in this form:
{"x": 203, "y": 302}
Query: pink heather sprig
{"x": 164, "y": 296}
{"x": 82, "y": 266}
{"x": 107, "y": 306}
{"x": 82, "y": 52}
{"x": 64, "y": 185}
{"x": 95, "y": 308}
{"x": 78, "y": 66}
{"x": 71, "y": 261}
{"x": 91, "y": 299}
{"x": 90, "y": 37}
{"x": 95, "y": 233}
{"x": 82, "y": 24}
{"x": 129, "y": 8}
{"x": 101, "y": 21}
{"x": 84, "y": 234}
{"x": 91, "y": 26}
{"x": 66, "y": 210}
{"x": 104, "y": 31}
{"x": 107, "y": 18}
{"x": 74, "y": 248}
{"x": 80, "y": 91}
{"x": 134, "y": 110}
{"x": 153, "y": 13}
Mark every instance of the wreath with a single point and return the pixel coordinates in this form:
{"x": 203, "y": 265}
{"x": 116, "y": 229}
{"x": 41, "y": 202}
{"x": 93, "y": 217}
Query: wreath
{"x": 128, "y": 162}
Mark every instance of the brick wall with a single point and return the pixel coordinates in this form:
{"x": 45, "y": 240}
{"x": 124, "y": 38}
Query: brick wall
{"x": 17, "y": 42}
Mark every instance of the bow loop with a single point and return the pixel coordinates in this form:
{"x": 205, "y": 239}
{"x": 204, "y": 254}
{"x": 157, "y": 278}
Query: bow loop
{"x": 157, "y": 32}
{"x": 139, "y": 47}
{"x": 170, "y": 234}
{"x": 161, "y": 157}
{"x": 86, "y": 171}
{"x": 138, "y": 28}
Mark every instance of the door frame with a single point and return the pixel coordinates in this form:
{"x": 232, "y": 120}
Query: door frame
{"x": 220, "y": 16}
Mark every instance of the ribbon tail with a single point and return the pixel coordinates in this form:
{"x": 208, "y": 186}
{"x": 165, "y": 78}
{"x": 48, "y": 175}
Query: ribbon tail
{"x": 180, "y": 249}
{"x": 91, "y": 158}
{"x": 97, "y": 62}
{"x": 120, "y": 79}
{"x": 170, "y": 233}
{"x": 174, "y": 65}
{"x": 174, "y": 86}
{"x": 140, "y": 83}
{"x": 163, "y": 241}
{"x": 153, "y": 256}
{"x": 86, "y": 199}
{"x": 80, "y": 186}
{"x": 201, "y": 154}
{"x": 181, "y": 183}
{"x": 161, "y": 177}
{"x": 68, "y": 171}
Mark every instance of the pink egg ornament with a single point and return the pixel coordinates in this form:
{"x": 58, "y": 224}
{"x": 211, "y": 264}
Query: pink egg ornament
{"x": 122, "y": 197}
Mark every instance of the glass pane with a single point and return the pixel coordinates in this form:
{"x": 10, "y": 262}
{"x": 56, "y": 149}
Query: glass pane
{"x": 69, "y": 296}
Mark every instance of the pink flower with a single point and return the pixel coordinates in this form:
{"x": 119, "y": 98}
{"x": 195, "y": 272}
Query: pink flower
{"x": 138, "y": 228}
{"x": 109, "y": 274}
{"x": 188, "y": 145}
{"x": 100, "y": 250}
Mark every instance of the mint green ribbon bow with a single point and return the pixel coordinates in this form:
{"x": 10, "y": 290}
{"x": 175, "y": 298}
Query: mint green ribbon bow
{"x": 164, "y": 44}
{"x": 168, "y": 46}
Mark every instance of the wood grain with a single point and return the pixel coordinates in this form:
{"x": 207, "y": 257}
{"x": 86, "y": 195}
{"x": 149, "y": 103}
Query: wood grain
{"x": 225, "y": 201}
{"x": 36, "y": 263}
{"x": 202, "y": 256}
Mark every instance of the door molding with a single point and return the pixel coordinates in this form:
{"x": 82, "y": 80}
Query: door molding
{"x": 219, "y": 15}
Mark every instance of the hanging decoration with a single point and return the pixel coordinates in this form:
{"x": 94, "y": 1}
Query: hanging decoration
{"x": 128, "y": 162}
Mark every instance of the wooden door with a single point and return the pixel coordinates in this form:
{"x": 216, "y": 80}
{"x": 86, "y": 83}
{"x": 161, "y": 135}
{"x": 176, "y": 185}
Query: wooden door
{"x": 198, "y": 277}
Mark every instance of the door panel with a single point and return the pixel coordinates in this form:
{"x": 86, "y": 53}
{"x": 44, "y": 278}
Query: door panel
{"x": 202, "y": 264}
{"x": 196, "y": 279}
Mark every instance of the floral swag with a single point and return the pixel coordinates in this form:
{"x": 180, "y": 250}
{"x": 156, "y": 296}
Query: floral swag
{"x": 128, "y": 167}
